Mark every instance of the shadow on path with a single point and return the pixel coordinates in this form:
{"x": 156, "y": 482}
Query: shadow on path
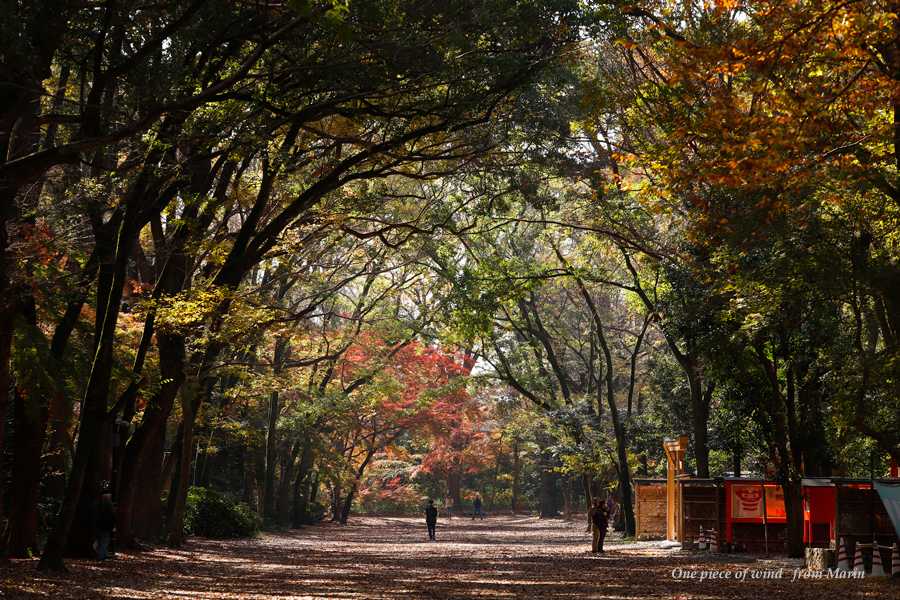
{"x": 501, "y": 557}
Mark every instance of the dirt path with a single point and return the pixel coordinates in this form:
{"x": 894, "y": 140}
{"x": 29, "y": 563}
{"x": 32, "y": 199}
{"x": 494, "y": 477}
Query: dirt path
{"x": 501, "y": 557}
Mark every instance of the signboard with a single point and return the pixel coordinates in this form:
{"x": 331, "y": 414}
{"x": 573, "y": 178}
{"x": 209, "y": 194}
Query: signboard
{"x": 747, "y": 502}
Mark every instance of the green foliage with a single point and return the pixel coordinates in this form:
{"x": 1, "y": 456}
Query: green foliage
{"x": 214, "y": 515}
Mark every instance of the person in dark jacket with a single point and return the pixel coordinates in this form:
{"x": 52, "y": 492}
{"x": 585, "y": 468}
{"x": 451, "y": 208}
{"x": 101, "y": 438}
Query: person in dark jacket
{"x": 477, "y": 506}
{"x": 431, "y": 518}
{"x": 599, "y": 525}
{"x": 106, "y": 524}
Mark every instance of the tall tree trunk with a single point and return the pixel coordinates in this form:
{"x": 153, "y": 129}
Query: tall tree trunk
{"x": 7, "y": 318}
{"x": 93, "y": 431}
{"x": 59, "y": 451}
{"x": 251, "y": 493}
{"x": 357, "y": 478}
{"x": 141, "y": 477}
{"x": 588, "y": 497}
{"x": 784, "y": 449}
{"x": 147, "y": 508}
{"x": 300, "y": 515}
{"x": 793, "y": 506}
{"x": 549, "y": 479}
{"x": 336, "y": 497}
{"x": 177, "y": 501}
{"x": 623, "y": 469}
{"x": 347, "y": 505}
{"x": 288, "y": 464}
{"x": 22, "y": 524}
{"x": 454, "y": 487}
{"x": 700, "y": 400}
{"x": 517, "y": 476}
{"x": 27, "y": 64}
{"x": 269, "y": 499}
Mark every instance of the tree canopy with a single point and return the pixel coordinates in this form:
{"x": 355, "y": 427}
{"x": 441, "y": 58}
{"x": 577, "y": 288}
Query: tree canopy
{"x": 326, "y": 256}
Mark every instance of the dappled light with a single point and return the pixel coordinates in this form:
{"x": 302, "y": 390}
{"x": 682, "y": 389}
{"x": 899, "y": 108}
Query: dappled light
{"x": 450, "y": 298}
{"x": 374, "y": 557}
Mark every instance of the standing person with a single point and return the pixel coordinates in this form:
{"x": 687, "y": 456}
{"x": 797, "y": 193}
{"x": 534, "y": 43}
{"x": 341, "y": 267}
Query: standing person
{"x": 599, "y": 523}
{"x": 431, "y": 518}
{"x": 106, "y": 524}
{"x": 612, "y": 511}
{"x": 477, "y": 505}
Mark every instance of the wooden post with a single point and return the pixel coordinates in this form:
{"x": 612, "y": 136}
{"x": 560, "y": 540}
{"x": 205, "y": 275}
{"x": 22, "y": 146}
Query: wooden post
{"x": 765, "y": 518}
{"x": 674, "y": 450}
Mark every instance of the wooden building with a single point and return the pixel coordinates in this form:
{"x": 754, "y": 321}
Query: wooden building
{"x": 838, "y": 507}
{"x": 755, "y": 517}
{"x": 701, "y": 506}
{"x": 650, "y": 509}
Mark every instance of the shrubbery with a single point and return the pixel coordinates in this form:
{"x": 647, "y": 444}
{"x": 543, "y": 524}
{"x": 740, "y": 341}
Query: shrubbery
{"x": 214, "y": 515}
{"x": 378, "y": 499}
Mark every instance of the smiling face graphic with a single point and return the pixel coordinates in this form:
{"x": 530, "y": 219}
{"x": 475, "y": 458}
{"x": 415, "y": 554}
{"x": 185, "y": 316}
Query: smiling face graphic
{"x": 749, "y": 498}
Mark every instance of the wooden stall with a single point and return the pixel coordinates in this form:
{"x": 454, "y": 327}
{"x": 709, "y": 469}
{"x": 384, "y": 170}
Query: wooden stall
{"x": 836, "y": 508}
{"x": 860, "y": 515}
{"x": 819, "y": 502}
{"x": 650, "y": 508}
{"x": 701, "y": 506}
{"x": 755, "y": 518}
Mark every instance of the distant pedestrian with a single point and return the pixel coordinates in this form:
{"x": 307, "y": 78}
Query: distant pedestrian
{"x": 449, "y": 505}
{"x": 599, "y": 525}
{"x": 431, "y": 518}
{"x": 477, "y": 506}
{"x": 106, "y": 524}
{"x": 612, "y": 511}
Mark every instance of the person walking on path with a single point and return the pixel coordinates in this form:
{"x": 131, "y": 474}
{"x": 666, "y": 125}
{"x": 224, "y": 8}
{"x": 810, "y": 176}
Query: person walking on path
{"x": 106, "y": 524}
{"x": 477, "y": 505}
{"x": 599, "y": 523}
{"x": 431, "y": 518}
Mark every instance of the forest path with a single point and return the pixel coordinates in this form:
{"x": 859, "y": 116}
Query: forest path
{"x": 386, "y": 557}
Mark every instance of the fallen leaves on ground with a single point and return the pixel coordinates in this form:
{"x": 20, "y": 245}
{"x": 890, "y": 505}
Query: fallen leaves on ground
{"x": 381, "y": 557}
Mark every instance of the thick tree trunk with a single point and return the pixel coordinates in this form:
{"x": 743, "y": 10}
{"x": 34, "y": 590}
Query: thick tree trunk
{"x": 59, "y": 452}
{"x": 454, "y": 488}
{"x": 141, "y": 477}
{"x": 549, "y": 493}
{"x": 19, "y": 135}
{"x": 177, "y": 501}
{"x": 313, "y": 487}
{"x": 147, "y": 512}
{"x": 549, "y": 479}
{"x": 6, "y": 336}
{"x": 793, "y": 506}
{"x": 22, "y": 525}
{"x": 699, "y": 418}
{"x": 347, "y": 505}
{"x": 93, "y": 432}
{"x": 336, "y": 497}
